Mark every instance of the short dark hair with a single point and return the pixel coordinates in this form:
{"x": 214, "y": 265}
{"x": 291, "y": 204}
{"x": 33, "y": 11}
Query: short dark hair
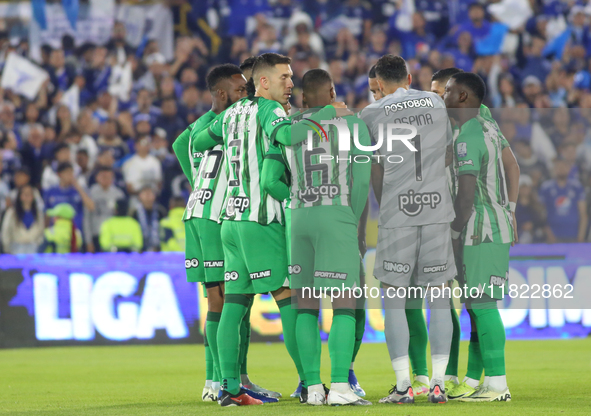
{"x": 177, "y": 202}
{"x": 475, "y": 4}
{"x": 473, "y": 82}
{"x": 314, "y": 79}
{"x": 391, "y": 68}
{"x": 372, "y": 72}
{"x": 63, "y": 166}
{"x": 219, "y": 73}
{"x": 121, "y": 207}
{"x": 248, "y": 63}
{"x": 269, "y": 60}
{"x": 104, "y": 169}
{"x": 60, "y": 147}
{"x": 443, "y": 75}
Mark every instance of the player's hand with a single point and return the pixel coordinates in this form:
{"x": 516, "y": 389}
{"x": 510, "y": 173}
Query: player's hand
{"x": 515, "y": 236}
{"x": 341, "y": 109}
{"x": 362, "y": 245}
{"x": 457, "y": 248}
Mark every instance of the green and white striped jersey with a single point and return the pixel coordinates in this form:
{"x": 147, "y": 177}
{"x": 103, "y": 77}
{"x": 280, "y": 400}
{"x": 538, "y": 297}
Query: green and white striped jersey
{"x": 246, "y": 132}
{"x": 478, "y": 150}
{"x": 195, "y": 157}
{"x": 452, "y": 170}
{"x": 320, "y": 173}
{"x": 207, "y": 199}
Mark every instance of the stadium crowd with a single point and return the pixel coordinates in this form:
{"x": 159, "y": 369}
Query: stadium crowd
{"x": 111, "y": 161}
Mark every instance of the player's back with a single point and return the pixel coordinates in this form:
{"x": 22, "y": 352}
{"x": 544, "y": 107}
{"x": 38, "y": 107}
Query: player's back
{"x": 245, "y": 146}
{"x": 415, "y": 190}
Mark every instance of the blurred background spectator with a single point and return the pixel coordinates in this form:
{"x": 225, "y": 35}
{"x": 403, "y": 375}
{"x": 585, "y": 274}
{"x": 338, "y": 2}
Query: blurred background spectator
{"x": 23, "y": 224}
{"x": 97, "y": 122}
{"x": 119, "y": 232}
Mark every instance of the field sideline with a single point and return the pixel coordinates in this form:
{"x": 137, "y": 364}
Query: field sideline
{"x": 161, "y": 380}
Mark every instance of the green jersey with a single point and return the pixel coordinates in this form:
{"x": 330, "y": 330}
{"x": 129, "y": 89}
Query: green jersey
{"x": 478, "y": 150}
{"x": 210, "y": 181}
{"x": 245, "y": 133}
{"x": 452, "y": 170}
{"x": 320, "y": 172}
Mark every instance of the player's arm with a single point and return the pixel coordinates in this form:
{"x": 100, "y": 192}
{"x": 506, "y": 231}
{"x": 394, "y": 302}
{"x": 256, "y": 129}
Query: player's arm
{"x": 512, "y": 173}
{"x": 211, "y": 136}
{"x": 181, "y": 150}
{"x": 362, "y": 229}
{"x": 360, "y": 171}
{"x": 377, "y": 181}
{"x": 273, "y": 170}
{"x": 449, "y": 151}
{"x": 583, "y": 220}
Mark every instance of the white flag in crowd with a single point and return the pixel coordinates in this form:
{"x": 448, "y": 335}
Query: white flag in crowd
{"x": 121, "y": 81}
{"x": 22, "y": 76}
{"x": 71, "y": 98}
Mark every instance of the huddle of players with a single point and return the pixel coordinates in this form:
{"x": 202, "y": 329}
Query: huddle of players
{"x": 252, "y": 154}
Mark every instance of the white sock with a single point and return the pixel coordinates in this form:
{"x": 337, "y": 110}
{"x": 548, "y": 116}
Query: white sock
{"x": 422, "y": 379}
{"x": 352, "y": 365}
{"x": 208, "y": 383}
{"x": 471, "y": 382}
{"x": 498, "y": 383}
{"x": 215, "y": 385}
{"x": 486, "y": 381}
{"x": 439, "y": 363}
{"x": 316, "y": 388}
{"x": 452, "y": 378}
{"x": 339, "y": 387}
{"x": 401, "y": 366}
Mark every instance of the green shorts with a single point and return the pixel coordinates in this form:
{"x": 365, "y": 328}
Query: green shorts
{"x": 324, "y": 251}
{"x": 486, "y": 268}
{"x": 256, "y": 258}
{"x": 204, "y": 255}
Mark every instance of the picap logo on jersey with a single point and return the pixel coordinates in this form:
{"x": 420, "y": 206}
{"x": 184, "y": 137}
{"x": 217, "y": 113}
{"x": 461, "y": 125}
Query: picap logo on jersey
{"x": 190, "y": 263}
{"x": 237, "y": 203}
{"x": 390, "y": 266}
{"x": 412, "y": 203}
{"x": 228, "y": 276}
{"x": 260, "y": 275}
{"x": 314, "y": 193}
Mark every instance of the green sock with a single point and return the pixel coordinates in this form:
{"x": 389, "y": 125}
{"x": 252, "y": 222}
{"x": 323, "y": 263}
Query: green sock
{"x": 340, "y": 344}
{"x": 417, "y": 331}
{"x": 359, "y": 331}
{"x": 289, "y": 318}
{"x": 309, "y": 345}
{"x": 245, "y": 340}
{"x": 211, "y": 328}
{"x": 491, "y": 335}
{"x": 208, "y": 358}
{"x": 454, "y": 352}
{"x": 475, "y": 364}
{"x": 235, "y": 307}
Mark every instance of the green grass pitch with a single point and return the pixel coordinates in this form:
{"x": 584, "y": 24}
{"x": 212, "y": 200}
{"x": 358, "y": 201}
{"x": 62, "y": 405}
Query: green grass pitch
{"x": 545, "y": 378}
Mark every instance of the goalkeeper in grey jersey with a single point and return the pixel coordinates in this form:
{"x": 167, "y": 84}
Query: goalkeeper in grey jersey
{"x": 414, "y": 243}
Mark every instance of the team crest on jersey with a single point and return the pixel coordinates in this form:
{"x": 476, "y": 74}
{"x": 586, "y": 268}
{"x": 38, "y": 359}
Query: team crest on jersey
{"x": 462, "y": 149}
{"x": 412, "y": 203}
{"x": 280, "y": 112}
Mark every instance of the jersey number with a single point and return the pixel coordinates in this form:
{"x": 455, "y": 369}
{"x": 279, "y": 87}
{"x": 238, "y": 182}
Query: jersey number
{"x": 217, "y": 155}
{"x": 416, "y": 142}
{"x": 310, "y": 167}
{"x": 235, "y": 162}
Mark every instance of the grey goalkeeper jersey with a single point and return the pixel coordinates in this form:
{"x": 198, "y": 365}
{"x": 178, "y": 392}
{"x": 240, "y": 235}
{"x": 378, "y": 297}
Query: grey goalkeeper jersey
{"x": 411, "y": 131}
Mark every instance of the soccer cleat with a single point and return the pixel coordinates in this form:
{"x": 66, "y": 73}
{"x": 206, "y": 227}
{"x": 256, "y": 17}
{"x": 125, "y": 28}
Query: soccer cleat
{"x": 437, "y": 393}
{"x": 316, "y": 395}
{"x": 240, "y": 399}
{"x": 459, "y": 391}
{"x": 419, "y": 388}
{"x": 355, "y": 384}
{"x": 304, "y": 395}
{"x": 449, "y": 386}
{"x": 208, "y": 395}
{"x": 344, "y": 396}
{"x": 258, "y": 389}
{"x": 399, "y": 397}
{"x": 259, "y": 396}
{"x": 297, "y": 391}
{"x": 486, "y": 394}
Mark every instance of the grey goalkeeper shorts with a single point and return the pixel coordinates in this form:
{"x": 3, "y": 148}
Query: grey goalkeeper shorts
{"x": 425, "y": 250}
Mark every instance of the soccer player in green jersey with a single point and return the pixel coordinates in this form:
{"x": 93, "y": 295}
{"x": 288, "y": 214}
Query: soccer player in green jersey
{"x": 475, "y": 368}
{"x": 483, "y": 221}
{"x": 253, "y": 235}
{"x": 328, "y": 193}
{"x": 204, "y": 262}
